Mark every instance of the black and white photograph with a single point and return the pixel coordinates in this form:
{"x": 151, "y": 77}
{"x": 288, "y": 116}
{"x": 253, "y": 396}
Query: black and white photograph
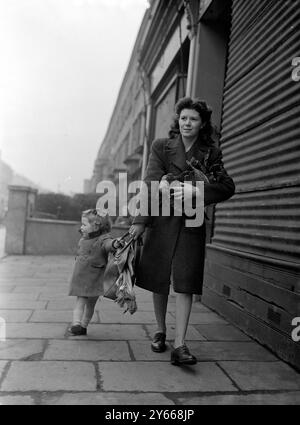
{"x": 149, "y": 205}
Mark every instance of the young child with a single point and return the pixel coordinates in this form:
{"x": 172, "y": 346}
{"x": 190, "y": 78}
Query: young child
{"x": 86, "y": 282}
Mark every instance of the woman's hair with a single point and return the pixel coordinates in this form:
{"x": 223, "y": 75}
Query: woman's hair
{"x": 102, "y": 221}
{"x": 205, "y": 113}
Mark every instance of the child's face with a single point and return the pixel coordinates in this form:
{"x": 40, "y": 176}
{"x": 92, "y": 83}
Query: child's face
{"x": 87, "y": 227}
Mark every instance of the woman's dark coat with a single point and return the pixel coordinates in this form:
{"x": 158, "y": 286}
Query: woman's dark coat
{"x": 171, "y": 250}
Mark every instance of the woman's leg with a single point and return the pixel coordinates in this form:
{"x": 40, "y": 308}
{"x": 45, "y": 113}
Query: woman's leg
{"x": 160, "y": 302}
{"x": 88, "y": 311}
{"x": 79, "y": 310}
{"x": 183, "y": 310}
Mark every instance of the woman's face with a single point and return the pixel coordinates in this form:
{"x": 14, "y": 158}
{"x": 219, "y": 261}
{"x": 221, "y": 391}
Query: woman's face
{"x": 190, "y": 123}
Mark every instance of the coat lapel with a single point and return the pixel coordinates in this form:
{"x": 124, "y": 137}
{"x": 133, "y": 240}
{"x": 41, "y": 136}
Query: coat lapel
{"x": 176, "y": 154}
{"x": 177, "y": 157}
{"x": 201, "y": 153}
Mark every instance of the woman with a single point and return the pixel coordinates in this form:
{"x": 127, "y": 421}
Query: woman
{"x": 172, "y": 251}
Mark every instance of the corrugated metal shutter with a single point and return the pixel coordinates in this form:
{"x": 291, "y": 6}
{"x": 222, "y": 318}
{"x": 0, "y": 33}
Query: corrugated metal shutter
{"x": 261, "y": 132}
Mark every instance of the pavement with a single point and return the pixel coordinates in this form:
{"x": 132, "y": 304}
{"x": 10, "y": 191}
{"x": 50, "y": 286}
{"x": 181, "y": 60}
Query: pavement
{"x": 2, "y": 240}
{"x": 113, "y": 365}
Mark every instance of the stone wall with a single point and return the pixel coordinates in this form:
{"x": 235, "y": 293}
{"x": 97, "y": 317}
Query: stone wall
{"x": 26, "y": 234}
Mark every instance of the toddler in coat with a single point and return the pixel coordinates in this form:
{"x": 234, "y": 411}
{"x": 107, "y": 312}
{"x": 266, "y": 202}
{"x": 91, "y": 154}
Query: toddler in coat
{"x": 87, "y": 278}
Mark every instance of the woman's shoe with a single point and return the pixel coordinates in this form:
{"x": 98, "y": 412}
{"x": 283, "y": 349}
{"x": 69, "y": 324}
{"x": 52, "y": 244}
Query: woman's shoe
{"x": 181, "y": 356}
{"x": 158, "y": 344}
{"x": 77, "y": 330}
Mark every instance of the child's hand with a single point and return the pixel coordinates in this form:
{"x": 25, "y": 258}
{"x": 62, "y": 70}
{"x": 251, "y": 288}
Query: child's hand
{"x": 118, "y": 243}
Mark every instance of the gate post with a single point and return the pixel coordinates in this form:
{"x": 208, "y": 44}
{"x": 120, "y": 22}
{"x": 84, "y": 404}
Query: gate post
{"x": 21, "y": 203}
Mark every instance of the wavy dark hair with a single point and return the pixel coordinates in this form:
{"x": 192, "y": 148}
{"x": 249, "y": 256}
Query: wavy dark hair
{"x": 205, "y": 134}
{"x": 102, "y": 221}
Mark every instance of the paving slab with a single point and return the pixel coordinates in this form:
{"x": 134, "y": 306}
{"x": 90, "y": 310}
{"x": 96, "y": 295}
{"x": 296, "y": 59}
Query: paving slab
{"x": 58, "y": 289}
{"x": 221, "y": 332}
{"x": 287, "y": 398}
{"x": 22, "y": 281}
{"x": 55, "y": 296}
{"x": 20, "y": 349}
{"x": 87, "y": 350}
{"x": 142, "y": 351}
{"x": 16, "y": 400}
{"x": 198, "y": 307}
{"x": 114, "y": 332}
{"x": 10, "y": 274}
{"x": 191, "y": 335}
{"x": 142, "y": 317}
{"x": 142, "y": 294}
{"x": 56, "y": 316}
{"x": 50, "y": 376}
{"x": 257, "y": 376}
{"x": 206, "y": 351}
{"x": 35, "y": 330}
{"x": 204, "y": 318}
{"x": 27, "y": 290}
{"x": 25, "y": 305}
{"x": 63, "y": 303}
{"x": 35, "y": 294}
{"x": 6, "y": 289}
{"x": 2, "y": 367}
{"x": 107, "y": 398}
{"x": 18, "y": 297}
{"x": 54, "y": 275}
{"x": 106, "y": 304}
{"x": 148, "y": 306}
{"x": 216, "y": 351}
{"x": 163, "y": 377}
{"x": 15, "y": 316}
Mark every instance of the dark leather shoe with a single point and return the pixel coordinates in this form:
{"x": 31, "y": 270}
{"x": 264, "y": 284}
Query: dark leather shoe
{"x": 158, "y": 344}
{"x": 181, "y": 356}
{"x": 77, "y": 330}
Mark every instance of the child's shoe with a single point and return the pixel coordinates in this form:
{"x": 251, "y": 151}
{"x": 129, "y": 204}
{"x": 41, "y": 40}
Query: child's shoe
{"x": 77, "y": 330}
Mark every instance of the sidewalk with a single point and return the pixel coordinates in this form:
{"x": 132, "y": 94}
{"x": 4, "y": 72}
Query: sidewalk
{"x": 40, "y": 364}
{"x": 2, "y": 241}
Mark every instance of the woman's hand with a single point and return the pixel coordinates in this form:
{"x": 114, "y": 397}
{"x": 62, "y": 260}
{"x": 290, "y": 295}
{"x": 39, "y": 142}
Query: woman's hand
{"x": 137, "y": 230}
{"x": 185, "y": 192}
{"x": 118, "y": 243}
{"x": 164, "y": 185}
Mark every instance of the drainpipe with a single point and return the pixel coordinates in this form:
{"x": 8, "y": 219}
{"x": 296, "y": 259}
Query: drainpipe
{"x": 146, "y": 138}
{"x": 192, "y": 8}
{"x": 147, "y": 122}
{"x": 190, "y": 77}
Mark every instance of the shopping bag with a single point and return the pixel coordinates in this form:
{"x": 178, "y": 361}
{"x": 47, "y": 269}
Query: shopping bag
{"x": 119, "y": 276}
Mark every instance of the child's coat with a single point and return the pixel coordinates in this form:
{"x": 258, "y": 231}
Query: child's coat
{"x": 87, "y": 277}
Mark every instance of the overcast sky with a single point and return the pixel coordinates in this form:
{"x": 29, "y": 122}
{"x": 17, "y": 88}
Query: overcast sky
{"x": 62, "y": 64}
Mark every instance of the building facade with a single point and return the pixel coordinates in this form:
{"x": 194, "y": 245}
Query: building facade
{"x": 237, "y": 56}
